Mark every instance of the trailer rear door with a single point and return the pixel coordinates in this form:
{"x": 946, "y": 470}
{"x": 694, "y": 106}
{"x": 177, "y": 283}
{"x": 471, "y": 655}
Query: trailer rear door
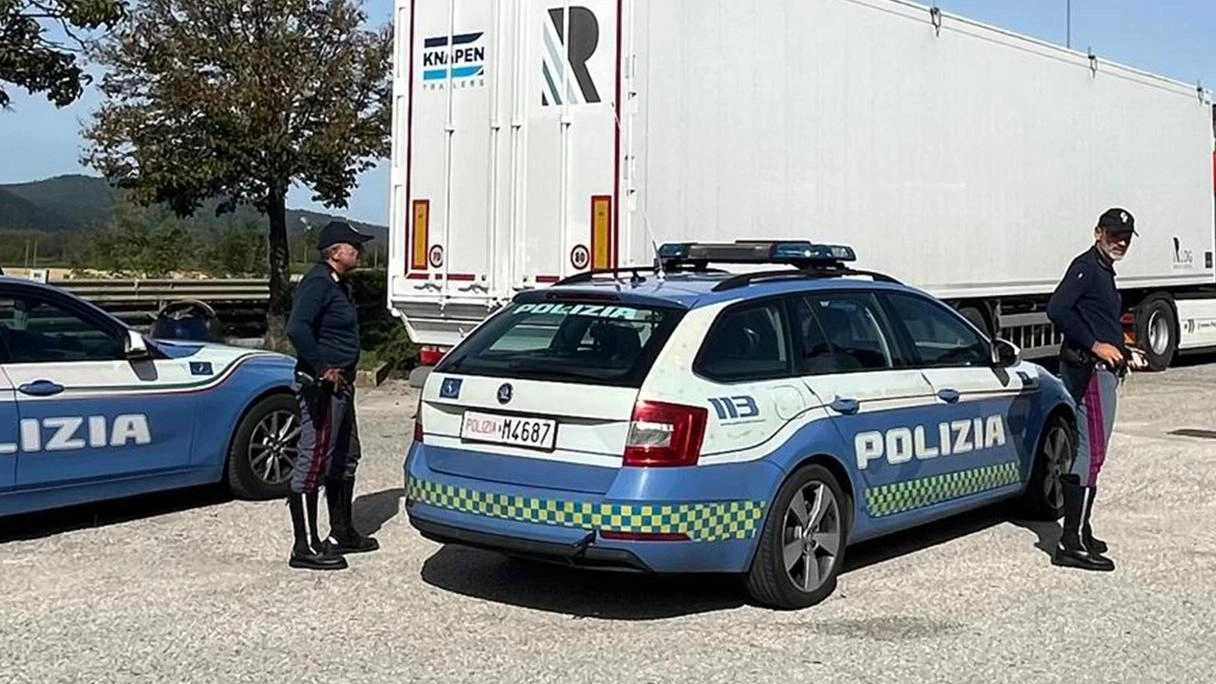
{"x": 505, "y": 154}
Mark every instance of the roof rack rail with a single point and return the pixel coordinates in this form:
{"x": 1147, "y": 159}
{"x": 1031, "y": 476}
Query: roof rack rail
{"x": 635, "y": 271}
{"x": 744, "y": 279}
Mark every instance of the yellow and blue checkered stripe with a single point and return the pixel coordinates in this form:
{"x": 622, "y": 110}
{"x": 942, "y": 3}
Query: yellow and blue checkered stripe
{"x": 701, "y": 521}
{"x": 901, "y": 497}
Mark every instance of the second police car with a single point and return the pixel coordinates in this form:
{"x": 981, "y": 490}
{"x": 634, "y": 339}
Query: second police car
{"x": 694, "y": 420}
{"x": 91, "y": 409}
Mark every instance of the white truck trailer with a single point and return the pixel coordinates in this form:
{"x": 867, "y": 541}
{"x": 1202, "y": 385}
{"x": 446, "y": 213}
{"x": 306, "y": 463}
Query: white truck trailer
{"x": 534, "y": 139}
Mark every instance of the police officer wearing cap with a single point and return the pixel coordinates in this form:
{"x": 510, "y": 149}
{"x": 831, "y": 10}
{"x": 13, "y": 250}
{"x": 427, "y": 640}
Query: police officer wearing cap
{"x": 324, "y": 328}
{"x": 1088, "y": 309}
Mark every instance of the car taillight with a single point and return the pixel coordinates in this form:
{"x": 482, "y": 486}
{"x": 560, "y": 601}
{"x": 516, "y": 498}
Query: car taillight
{"x": 431, "y": 356}
{"x": 665, "y": 435}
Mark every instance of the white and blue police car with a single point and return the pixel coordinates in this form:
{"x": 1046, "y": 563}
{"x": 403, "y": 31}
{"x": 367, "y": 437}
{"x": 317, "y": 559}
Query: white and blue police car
{"x": 681, "y": 418}
{"x": 90, "y": 409}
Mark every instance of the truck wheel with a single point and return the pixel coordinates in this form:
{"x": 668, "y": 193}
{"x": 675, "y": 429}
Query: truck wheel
{"x": 1044, "y": 498}
{"x": 264, "y": 449}
{"x": 1157, "y": 331}
{"x": 976, "y": 317}
{"x": 802, "y": 545}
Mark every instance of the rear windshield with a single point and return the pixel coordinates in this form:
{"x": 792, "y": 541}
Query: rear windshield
{"x": 587, "y": 343}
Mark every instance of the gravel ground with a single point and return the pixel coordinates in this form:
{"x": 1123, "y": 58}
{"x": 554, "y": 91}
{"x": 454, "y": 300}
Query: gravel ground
{"x": 188, "y": 587}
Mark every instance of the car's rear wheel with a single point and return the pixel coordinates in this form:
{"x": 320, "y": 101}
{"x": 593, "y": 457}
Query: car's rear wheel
{"x": 1044, "y": 498}
{"x": 803, "y": 542}
{"x": 264, "y": 449}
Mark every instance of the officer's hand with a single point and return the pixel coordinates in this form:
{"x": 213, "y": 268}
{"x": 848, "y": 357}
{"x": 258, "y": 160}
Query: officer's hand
{"x": 333, "y": 375}
{"x": 1109, "y": 354}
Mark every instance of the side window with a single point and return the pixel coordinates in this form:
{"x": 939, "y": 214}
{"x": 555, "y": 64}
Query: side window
{"x": 34, "y": 330}
{"x": 842, "y": 333}
{"x": 940, "y": 337}
{"x": 747, "y": 343}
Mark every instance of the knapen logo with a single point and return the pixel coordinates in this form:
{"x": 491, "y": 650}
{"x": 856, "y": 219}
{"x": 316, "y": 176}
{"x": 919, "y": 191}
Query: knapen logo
{"x": 459, "y": 60}
{"x": 567, "y": 78}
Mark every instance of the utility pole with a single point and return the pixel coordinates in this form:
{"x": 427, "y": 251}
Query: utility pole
{"x": 1068, "y": 23}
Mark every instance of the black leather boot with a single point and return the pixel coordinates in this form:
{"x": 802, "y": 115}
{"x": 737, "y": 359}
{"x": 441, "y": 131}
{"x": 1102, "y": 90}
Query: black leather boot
{"x": 306, "y": 553}
{"x": 1071, "y": 551}
{"x": 1087, "y": 532}
{"x": 343, "y": 538}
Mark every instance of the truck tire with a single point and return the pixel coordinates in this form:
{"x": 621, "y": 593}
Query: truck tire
{"x": 1157, "y": 330}
{"x": 977, "y": 318}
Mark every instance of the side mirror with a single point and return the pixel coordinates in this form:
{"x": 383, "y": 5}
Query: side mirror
{"x": 135, "y": 347}
{"x": 1005, "y": 354}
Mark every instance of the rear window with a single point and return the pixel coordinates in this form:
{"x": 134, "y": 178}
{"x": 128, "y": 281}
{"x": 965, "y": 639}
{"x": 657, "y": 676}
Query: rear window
{"x": 587, "y": 343}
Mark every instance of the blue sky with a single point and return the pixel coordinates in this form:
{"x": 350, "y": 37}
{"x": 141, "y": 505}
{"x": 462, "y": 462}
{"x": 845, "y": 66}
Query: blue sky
{"x": 1169, "y": 37}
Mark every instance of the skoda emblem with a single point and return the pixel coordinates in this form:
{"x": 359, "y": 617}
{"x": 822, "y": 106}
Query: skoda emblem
{"x": 504, "y": 393}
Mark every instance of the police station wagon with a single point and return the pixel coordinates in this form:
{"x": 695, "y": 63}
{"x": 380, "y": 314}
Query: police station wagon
{"x": 682, "y": 418}
{"x": 91, "y": 409}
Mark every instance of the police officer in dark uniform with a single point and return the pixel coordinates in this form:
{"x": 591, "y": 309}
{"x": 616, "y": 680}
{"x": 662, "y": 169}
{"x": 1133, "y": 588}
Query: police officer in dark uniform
{"x": 324, "y": 328}
{"x": 1088, "y": 309}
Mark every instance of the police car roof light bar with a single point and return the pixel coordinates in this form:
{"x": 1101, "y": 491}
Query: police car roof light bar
{"x": 798, "y": 253}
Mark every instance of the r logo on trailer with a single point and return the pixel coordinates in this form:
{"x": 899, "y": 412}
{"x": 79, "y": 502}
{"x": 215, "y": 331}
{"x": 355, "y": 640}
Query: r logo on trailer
{"x": 578, "y": 48}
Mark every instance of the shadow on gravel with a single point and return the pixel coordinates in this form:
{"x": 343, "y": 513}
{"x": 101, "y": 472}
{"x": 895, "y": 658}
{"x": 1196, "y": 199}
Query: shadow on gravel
{"x": 1049, "y": 533}
{"x": 579, "y": 593}
{"x": 927, "y": 536}
{"x": 626, "y": 596}
{"x": 29, "y": 526}
{"x": 930, "y": 535}
{"x": 371, "y": 511}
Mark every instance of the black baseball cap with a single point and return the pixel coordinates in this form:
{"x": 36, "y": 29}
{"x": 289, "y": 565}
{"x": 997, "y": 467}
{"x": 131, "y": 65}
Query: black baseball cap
{"x": 1117, "y": 220}
{"x": 338, "y": 232}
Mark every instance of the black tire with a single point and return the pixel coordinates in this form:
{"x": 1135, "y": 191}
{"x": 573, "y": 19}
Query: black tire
{"x": 1043, "y": 499}
{"x": 769, "y": 582}
{"x": 1157, "y": 331}
{"x": 977, "y": 318}
{"x": 246, "y": 482}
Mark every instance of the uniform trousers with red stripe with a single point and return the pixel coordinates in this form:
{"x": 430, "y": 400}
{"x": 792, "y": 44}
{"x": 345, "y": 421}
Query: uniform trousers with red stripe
{"x": 1096, "y": 393}
{"x": 329, "y": 446}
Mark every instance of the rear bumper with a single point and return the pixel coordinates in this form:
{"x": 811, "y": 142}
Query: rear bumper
{"x": 578, "y": 554}
{"x": 719, "y": 510}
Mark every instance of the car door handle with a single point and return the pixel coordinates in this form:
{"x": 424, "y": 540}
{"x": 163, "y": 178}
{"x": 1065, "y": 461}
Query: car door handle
{"x": 948, "y": 395}
{"x": 41, "y": 388}
{"x": 845, "y": 405}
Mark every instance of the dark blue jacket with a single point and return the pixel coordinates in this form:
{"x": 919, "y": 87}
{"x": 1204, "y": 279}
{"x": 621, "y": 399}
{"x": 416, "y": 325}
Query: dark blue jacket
{"x": 324, "y": 323}
{"x": 1086, "y": 306}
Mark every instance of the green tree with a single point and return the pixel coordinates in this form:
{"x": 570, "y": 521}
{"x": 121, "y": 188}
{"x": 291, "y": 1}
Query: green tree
{"x": 32, "y": 60}
{"x": 235, "y": 251}
{"x": 144, "y": 243}
{"x": 238, "y": 99}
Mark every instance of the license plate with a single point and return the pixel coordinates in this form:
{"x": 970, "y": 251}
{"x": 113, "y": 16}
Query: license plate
{"x": 532, "y": 433}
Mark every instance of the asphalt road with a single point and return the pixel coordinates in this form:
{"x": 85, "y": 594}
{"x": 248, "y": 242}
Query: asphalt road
{"x": 189, "y": 587}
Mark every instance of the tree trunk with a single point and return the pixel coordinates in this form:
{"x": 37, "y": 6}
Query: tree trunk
{"x": 280, "y": 262}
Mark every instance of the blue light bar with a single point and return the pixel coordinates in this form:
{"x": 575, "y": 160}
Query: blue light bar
{"x": 796, "y": 252}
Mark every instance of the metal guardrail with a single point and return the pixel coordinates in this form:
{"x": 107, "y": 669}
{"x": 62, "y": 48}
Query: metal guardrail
{"x": 114, "y": 292}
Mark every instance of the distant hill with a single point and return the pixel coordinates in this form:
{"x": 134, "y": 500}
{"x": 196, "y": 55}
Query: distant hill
{"x": 74, "y": 203}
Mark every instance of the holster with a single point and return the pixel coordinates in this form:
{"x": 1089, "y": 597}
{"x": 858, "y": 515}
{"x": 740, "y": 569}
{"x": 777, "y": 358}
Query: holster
{"x": 1076, "y": 368}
